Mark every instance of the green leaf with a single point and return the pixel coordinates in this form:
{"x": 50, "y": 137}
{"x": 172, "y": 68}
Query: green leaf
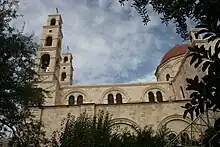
{"x": 194, "y": 58}
{"x": 197, "y": 111}
{"x": 193, "y": 94}
{"x": 201, "y": 26}
{"x": 198, "y": 63}
{"x": 203, "y": 31}
{"x": 210, "y": 52}
{"x": 217, "y": 47}
{"x": 217, "y": 125}
{"x": 185, "y": 113}
{"x": 207, "y": 35}
{"x": 201, "y": 106}
{"x": 205, "y": 65}
{"x": 196, "y": 78}
{"x": 191, "y": 115}
{"x": 193, "y": 101}
{"x": 212, "y": 38}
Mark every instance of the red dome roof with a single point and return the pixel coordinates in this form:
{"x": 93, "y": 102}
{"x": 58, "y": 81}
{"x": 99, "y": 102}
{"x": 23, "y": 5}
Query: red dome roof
{"x": 175, "y": 51}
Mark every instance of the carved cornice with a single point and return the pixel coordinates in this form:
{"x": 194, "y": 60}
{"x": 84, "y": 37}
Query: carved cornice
{"x": 116, "y": 85}
{"x": 125, "y": 121}
{"x": 133, "y": 103}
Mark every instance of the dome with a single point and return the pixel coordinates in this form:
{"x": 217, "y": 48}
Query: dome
{"x": 175, "y": 51}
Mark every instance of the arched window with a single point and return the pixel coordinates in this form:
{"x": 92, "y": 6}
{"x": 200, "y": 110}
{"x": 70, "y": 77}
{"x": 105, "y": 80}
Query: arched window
{"x": 65, "y": 59}
{"x": 118, "y": 98}
{"x": 63, "y": 76}
{"x": 171, "y": 136}
{"x": 80, "y": 100}
{"x": 53, "y": 22}
{"x": 184, "y": 138}
{"x": 110, "y": 99}
{"x": 45, "y": 61}
{"x": 71, "y": 100}
{"x": 168, "y": 77}
{"x": 48, "y": 41}
{"x": 159, "y": 96}
{"x": 151, "y": 97}
{"x": 183, "y": 95}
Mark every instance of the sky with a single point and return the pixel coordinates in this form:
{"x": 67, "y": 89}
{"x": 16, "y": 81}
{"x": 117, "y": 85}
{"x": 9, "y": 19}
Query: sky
{"x": 109, "y": 43}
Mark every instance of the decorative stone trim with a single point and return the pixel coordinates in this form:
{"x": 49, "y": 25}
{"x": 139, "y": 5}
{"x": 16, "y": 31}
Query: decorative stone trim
{"x": 151, "y": 88}
{"x": 119, "y": 90}
{"x": 125, "y": 121}
{"x": 170, "y": 118}
{"x": 75, "y": 91}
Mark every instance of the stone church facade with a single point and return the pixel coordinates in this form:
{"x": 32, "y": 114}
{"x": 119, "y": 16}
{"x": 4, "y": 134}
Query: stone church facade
{"x": 132, "y": 104}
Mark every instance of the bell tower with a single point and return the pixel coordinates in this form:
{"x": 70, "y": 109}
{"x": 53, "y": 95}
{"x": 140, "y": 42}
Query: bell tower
{"x": 48, "y": 58}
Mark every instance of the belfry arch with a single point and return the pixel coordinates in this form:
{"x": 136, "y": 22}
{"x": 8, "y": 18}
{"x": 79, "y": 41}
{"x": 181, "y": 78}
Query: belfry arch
{"x": 45, "y": 61}
{"x": 48, "y": 41}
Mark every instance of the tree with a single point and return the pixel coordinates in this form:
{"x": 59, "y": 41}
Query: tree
{"x": 210, "y": 137}
{"x": 84, "y": 131}
{"x": 17, "y": 82}
{"x": 205, "y": 92}
{"x": 88, "y": 131}
{"x": 205, "y": 13}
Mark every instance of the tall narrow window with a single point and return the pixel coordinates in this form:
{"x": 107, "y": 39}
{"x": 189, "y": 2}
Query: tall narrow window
{"x": 65, "y": 59}
{"x": 63, "y": 76}
{"x": 110, "y": 99}
{"x": 48, "y": 41}
{"x": 182, "y": 92}
{"x": 151, "y": 97}
{"x": 118, "y": 98}
{"x": 80, "y": 100}
{"x": 159, "y": 96}
{"x": 45, "y": 61}
{"x": 53, "y": 22}
{"x": 168, "y": 77}
{"x": 71, "y": 100}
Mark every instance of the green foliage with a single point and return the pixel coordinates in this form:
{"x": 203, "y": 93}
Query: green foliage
{"x": 28, "y": 134}
{"x": 17, "y": 87}
{"x": 87, "y": 131}
{"x": 209, "y": 137}
{"x": 205, "y": 13}
{"x": 205, "y": 92}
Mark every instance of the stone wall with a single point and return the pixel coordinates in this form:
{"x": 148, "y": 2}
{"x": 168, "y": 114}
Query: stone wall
{"x": 170, "y": 67}
{"x": 138, "y": 114}
{"x": 137, "y": 92}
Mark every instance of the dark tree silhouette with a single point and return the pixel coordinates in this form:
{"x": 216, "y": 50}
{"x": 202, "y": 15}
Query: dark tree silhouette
{"x": 89, "y": 131}
{"x": 17, "y": 82}
{"x": 205, "y": 91}
{"x": 205, "y": 13}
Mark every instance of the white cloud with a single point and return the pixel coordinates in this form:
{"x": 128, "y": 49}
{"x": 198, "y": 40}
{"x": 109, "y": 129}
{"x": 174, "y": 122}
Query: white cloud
{"x": 146, "y": 78}
{"x": 109, "y": 43}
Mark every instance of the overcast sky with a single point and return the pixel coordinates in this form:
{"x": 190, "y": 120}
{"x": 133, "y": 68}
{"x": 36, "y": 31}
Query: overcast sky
{"x": 109, "y": 43}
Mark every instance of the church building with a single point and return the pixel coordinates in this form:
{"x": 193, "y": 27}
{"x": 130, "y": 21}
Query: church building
{"x": 133, "y": 105}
